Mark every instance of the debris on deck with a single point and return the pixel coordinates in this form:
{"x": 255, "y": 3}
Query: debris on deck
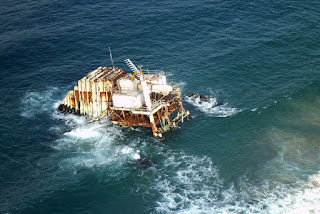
{"x": 143, "y": 98}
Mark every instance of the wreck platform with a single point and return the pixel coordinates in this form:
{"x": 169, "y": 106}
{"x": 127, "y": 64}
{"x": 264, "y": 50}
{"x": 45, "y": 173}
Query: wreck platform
{"x": 142, "y": 98}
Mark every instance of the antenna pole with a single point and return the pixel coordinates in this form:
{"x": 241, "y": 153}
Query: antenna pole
{"x": 111, "y": 58}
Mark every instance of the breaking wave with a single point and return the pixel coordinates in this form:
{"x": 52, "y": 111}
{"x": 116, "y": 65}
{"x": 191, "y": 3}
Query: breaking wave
{"x": 191, "y": 184}
{"x": 212, "y": 107}
{"x": 180, "y": 183}
{"x": 94, "y": 145}
{"x": 99, "y": 145}
{"x": 34, "y": 103}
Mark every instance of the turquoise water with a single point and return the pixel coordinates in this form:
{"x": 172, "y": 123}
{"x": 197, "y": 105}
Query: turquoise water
{"x": 256, "y": 153}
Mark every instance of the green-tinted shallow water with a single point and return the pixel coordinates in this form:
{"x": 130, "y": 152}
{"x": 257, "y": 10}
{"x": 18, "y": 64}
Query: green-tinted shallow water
{"x": 256, "y": 153}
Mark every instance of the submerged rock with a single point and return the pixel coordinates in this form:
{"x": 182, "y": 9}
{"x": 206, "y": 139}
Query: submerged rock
{"x": 193, "y": 95}
{"x": 204, "y": 98}
{"x": 145, "y": 162}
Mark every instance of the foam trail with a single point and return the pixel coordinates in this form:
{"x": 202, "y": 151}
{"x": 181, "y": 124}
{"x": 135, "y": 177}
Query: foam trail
{"x": 194, "y": 186}
{"x": 184, "y": 183}
{"x": 80, "y": 145}
{"x": 211, "y": 107}
{"x": 70, "y": 119}
{"x": 276, "y": 197}
{"x": 191, "y": 184}
{"x": 91, "y": 145}
{"x": 95, "y": 146}
{"x": 34, "y": 103}
{"x": 84, "y": 133}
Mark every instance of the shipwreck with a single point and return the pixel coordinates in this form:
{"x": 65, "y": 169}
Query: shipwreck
{"x": 142, "y": 98}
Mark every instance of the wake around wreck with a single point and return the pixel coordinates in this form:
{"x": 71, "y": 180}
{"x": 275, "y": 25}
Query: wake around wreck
{"x": 140, "y": 99}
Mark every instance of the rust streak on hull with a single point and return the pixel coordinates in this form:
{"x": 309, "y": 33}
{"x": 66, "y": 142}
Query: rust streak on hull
{"x": 131, "y": 100}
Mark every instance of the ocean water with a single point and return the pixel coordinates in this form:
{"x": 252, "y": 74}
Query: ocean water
{"x": 258, "y": 152}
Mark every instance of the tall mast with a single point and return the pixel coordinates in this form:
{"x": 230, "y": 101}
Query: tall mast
{"x": 111, "y": 58}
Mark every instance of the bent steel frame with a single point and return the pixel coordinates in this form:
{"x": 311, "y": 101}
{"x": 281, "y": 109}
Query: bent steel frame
{"x": 130, "y": 100}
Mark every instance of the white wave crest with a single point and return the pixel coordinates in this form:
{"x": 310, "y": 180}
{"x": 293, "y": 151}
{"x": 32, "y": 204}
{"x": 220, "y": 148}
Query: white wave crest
{"x": 212, "y": 107}
{"x": 95, "y": 146}
{"x": 190, "y": 184}
{"x": 184, "y": 183}
{"x": 34, "y": 103}
{"x": 71, "y": 120}
{"x": 84, "y": 133}
{"x": 276, "y": 197}
{"x": 193, "y": 188}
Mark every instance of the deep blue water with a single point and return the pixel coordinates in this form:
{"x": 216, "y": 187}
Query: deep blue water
{"x": 257, "y": 153}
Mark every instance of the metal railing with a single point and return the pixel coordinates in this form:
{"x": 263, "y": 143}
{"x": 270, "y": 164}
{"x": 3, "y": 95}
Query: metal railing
{"x": 154, "y": 72}
{"x": 154, "y": 104}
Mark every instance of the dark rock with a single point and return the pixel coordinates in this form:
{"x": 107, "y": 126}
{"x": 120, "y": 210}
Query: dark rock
{"x": 204, "y": 98}
{"x": 145, "y": 162}
{"x": 191, "y": 94}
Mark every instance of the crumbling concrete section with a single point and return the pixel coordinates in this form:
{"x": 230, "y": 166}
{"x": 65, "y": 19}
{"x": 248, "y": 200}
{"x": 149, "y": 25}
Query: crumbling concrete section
{"x": 143, "y": 98}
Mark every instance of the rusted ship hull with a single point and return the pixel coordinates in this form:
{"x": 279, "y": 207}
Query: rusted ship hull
{"x": 141, "y": 99}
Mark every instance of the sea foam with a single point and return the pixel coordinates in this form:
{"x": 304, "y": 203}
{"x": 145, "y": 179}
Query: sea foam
{"x": 192, "y": 184}
{"x": 212, "y": 107}
{"x": 33, "y": 103}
